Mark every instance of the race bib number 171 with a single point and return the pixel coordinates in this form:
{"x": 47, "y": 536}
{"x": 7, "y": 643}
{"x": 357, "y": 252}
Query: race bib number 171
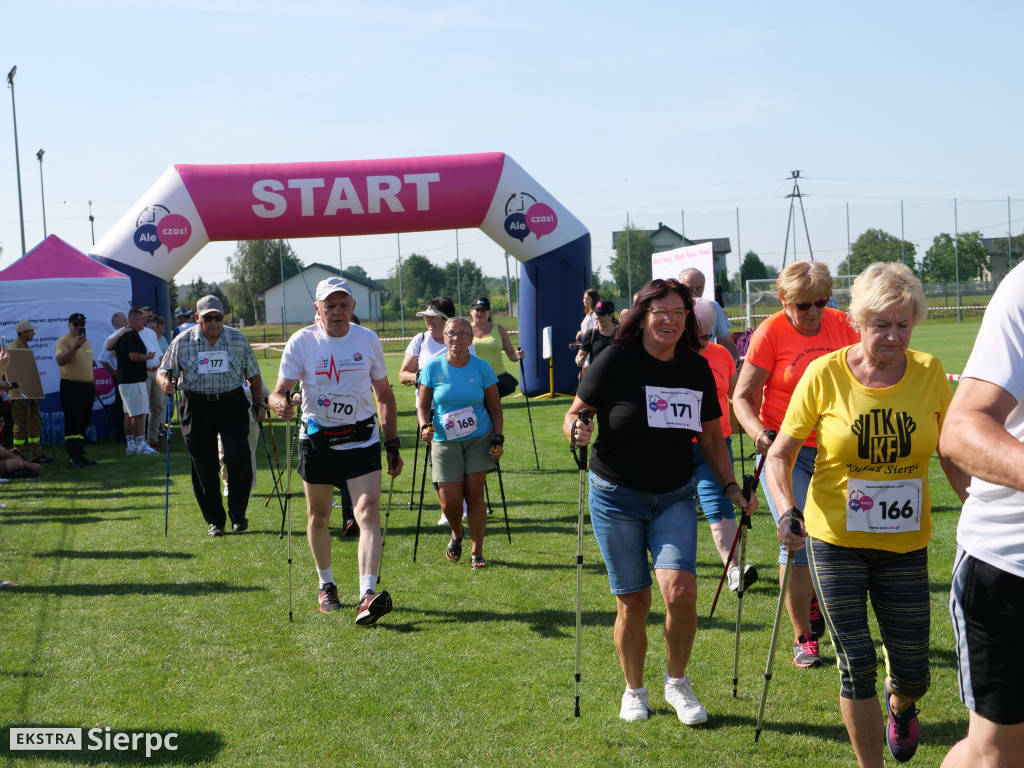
{"x": 673, "y": 408}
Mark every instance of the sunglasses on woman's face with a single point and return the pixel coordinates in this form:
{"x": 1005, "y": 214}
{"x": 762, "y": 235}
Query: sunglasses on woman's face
{"x": 805, "y": 305}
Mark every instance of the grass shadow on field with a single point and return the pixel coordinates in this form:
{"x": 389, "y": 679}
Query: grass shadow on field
{"x": 191, "y": 747}
{"x": 65, "y": 519}
{"x": 544, "y": 623}
{"x": 194, "y": 589}
{"x": 72, "y": 554}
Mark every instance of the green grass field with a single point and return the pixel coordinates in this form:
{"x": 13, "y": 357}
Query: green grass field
{"x": 113, "y": 624}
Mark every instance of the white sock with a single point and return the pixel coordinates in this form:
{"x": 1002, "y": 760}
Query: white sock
{"x": 131, "y": 441}
{"x": 672, "y": 679}
{"x": 636, "y": 691}
{"x": 367, "y": 584}
{"x": 325, "y": 576}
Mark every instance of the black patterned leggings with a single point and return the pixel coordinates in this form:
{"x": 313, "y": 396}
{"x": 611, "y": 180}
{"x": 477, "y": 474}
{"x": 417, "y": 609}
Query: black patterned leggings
{"x": 897, "y": 583}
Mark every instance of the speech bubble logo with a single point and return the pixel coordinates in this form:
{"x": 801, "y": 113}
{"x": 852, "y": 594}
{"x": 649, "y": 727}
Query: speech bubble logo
{"x": 515, "y": 226}
{"x": 541, "y": 219}
{"x": 323, "y": 401}
{"x": 866, "y": 503}
{"x": 174, "y": 230}
{"x": 146, "y": 239}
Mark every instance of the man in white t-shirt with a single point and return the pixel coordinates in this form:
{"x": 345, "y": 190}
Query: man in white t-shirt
{"x": 984, "y": 436}
{"x": 341, "y": 367}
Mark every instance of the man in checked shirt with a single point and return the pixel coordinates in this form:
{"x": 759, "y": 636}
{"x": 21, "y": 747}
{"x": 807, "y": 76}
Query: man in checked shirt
{"x": 208, "y": 364}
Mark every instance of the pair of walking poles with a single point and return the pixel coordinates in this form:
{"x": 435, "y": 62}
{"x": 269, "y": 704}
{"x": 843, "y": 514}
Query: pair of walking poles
{"x": 423, "y": 484}
{"x": 750, "y": 484}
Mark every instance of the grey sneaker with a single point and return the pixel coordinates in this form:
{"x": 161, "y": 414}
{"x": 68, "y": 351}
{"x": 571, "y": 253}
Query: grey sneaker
{"x": 634, "y": 705}
{"x": 805, "y": 652}
{"x": 680, "y": 695}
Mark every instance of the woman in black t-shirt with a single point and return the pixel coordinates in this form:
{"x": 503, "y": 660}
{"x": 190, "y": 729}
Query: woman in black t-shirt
{"x": 652, "y": 393}
{"x": 598, "y": 339}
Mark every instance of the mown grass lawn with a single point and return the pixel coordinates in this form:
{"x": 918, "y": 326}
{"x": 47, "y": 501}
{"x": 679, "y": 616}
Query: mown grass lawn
{"x": 114, "y": 624}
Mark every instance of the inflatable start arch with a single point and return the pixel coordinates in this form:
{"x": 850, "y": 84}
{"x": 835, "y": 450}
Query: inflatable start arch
{"x": 191, "y": 205}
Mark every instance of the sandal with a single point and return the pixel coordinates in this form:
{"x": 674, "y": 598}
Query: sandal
{"x": 454, "y": 550}
{"x": 477, "y": 563}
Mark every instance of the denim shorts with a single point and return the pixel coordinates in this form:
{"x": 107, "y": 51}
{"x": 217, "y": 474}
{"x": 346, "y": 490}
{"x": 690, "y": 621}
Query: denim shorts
{"x": 713, "y": 503}
{"x": 802, "y": 471}
{"x": 628, "y": 524}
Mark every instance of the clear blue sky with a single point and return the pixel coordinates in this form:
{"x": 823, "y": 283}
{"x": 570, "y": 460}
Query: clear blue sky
{"x": 648, "y": 108}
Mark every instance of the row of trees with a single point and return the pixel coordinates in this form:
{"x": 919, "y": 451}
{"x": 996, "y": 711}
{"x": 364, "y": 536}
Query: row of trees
{"x": 422, "y": 280}
{"x": 258, "y": 264}
{"x": 631, "y": 264}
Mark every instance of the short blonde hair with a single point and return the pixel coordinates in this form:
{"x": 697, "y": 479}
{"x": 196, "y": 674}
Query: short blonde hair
{"x": 803, "y": 281}
{"x": 882, "y": 285}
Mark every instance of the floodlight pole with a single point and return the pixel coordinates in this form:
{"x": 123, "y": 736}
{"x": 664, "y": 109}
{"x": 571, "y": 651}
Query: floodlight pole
{"x": 796, "y": 195}
{"x": 17, "y": 159}
{"x": 458, "y": 272}
{"x": 401, "y": 294}
{"x": 42, "y": 192}
{"x": 92, "y": 226}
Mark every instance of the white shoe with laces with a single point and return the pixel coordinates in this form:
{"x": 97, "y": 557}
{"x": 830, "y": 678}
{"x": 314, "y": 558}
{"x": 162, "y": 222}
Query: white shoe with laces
{"x": 634, "y": 705}
{"x": 679, "y": 693}
{"x": 144, "y": 449}
{"x": 734, "y": 579}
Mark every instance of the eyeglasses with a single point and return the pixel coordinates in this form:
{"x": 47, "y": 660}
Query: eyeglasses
{"x": 803, "y": 306}
{"x": 705, "y": 338}
{"x": 456, "y": 335}
{"x": 213, "y": 318}
{"x": 662, "y": 312}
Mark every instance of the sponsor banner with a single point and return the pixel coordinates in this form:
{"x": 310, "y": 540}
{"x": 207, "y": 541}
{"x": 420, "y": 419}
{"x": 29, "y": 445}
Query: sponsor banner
{"x": 668, "y": 264}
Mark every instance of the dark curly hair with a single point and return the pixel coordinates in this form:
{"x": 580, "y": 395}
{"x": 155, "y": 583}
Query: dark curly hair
{"x": 632, "y": 328}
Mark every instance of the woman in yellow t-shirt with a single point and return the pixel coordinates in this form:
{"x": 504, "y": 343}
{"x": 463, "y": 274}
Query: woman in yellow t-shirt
{"x": 877, "y": 408}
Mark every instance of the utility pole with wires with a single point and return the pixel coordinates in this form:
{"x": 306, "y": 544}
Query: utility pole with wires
{"x": 793, "y": 196}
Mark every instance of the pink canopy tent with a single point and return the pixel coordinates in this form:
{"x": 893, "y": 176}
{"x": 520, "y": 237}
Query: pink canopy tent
{"x": 45, "y": 286}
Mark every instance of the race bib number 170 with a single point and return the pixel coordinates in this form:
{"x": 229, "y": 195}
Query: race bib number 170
{"x": 673, "y": 408}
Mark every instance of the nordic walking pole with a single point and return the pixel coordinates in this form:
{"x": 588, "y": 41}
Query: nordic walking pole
{"x": 277, "y": 460}
{"x": 522, "y": 379}
{"x": 501, "y": 487}
{"x": 384, "y": 537}
{"x": 294, "y": 440}
{"x": 415, "y": 460}
{"x": 270, "y": 464}
{"x": 736, "y": 538}
{"x": 749, "y": 489}
{"x": 580, "y": 454}
{"x": 419, "y": 515}
{"x": 167, "y": 492}
{"x": 288, "y": 507}
{"x": 795, "y": 527}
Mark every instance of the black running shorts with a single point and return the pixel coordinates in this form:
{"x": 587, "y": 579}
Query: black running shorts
{"x": 987, "y": 608}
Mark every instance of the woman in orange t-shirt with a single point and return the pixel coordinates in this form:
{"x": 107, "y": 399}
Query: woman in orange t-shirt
{"x": 780, "y": 350}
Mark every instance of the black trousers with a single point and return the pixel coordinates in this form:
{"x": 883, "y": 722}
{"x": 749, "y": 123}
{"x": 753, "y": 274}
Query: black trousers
{"x": 201, "y": 422}
{"x": 76, "y": 398}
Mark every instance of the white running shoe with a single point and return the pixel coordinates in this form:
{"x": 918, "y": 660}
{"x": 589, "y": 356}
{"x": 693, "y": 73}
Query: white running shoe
{"x": 144, "y": 449}
{"x": 680, "y": 695}
{"x": 634, "y": 705}
{"x": 130, "y": 450}
{"x": 734, "y": 579}
{"x": 443, "y": 520}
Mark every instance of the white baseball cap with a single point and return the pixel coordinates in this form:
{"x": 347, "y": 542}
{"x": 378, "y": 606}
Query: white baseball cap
{"x": 332, "y": 284}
